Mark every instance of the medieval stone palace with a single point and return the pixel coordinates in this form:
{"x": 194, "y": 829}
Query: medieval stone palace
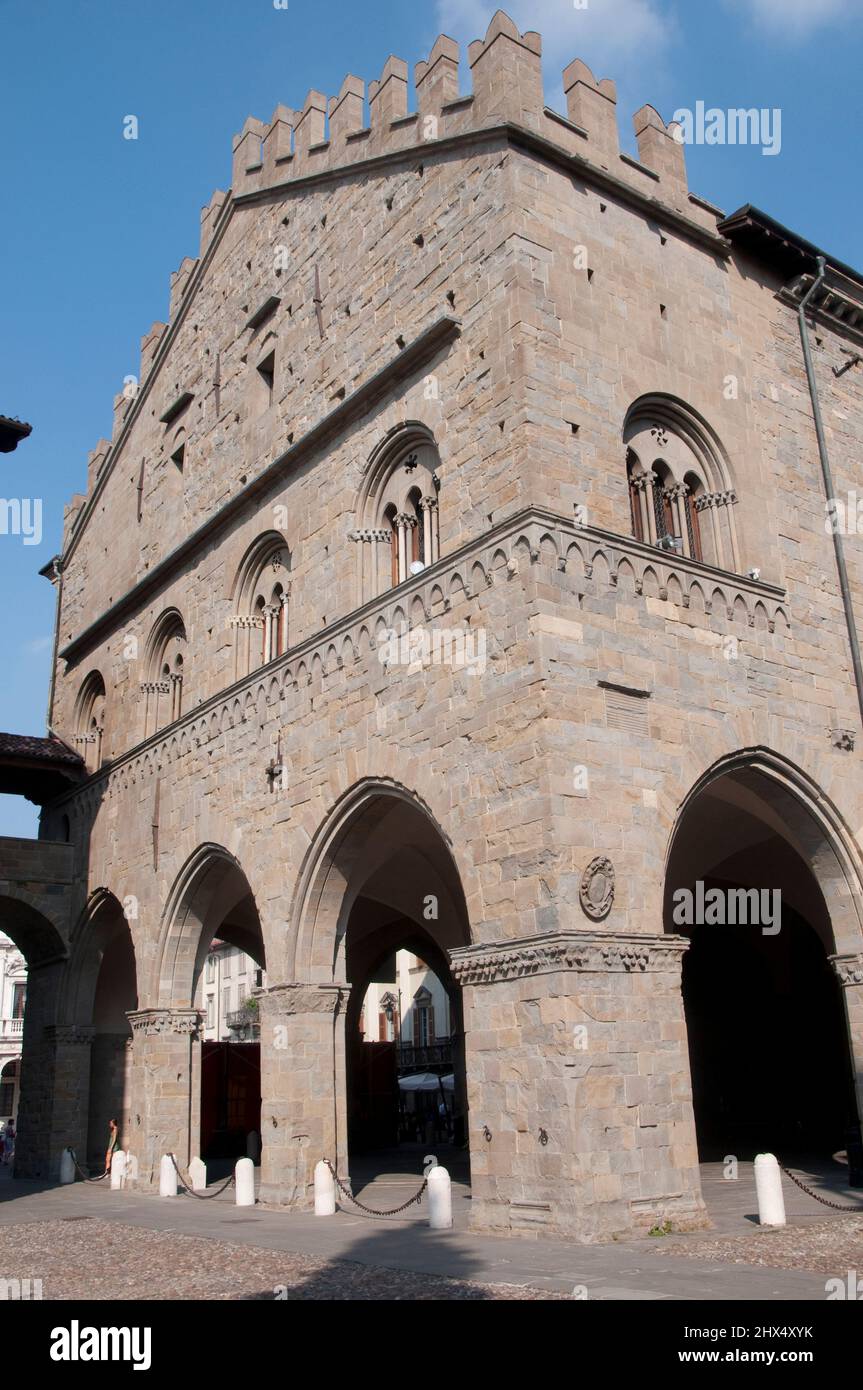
{"x": 463, "y": 577}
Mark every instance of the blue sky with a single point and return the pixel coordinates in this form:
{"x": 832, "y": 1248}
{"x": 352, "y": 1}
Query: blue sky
{"x": 93, "y": 225}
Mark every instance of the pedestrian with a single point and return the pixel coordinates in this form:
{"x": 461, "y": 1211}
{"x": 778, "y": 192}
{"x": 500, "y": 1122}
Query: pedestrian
{"x": 9, "y": 1143}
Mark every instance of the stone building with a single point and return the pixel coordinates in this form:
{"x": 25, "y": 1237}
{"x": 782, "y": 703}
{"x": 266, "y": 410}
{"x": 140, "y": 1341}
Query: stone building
{"x": 456, "y": 579}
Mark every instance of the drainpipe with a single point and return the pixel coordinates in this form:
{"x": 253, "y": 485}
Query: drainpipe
{"x": 828, "y": 484}
{"x": 57, "y": 574}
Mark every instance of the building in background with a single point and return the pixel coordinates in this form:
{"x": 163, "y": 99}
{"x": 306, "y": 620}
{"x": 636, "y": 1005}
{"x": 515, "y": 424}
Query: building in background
{"x": 13, "y": 996}
{"x": 227, "y": 982}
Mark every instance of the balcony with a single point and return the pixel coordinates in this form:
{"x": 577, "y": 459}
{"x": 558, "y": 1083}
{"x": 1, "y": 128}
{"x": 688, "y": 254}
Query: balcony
{"x": 11, "y": 1029}
{"x": 418, "y": 1058}
{"x": 245, "y": 1024}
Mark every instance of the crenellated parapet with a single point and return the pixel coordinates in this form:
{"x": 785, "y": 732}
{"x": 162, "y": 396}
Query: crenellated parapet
{"x": 503, "y": 101}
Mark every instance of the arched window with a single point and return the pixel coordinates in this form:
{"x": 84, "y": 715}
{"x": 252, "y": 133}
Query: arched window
{"x": 260, "y": 600}
{"x": 165, "y": 658}
{"x": 90, "y": 720}
{"x": 397, "y": 512}
{"x": 680, "y": 488}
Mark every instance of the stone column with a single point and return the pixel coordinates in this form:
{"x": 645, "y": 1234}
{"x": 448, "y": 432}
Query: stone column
{"x": 162, "y": 1103}
{"x": 578, "y": 1081}
{"x": 35, "y": 1139}
{"x": 430, "y": 548}
{"x": 849, "y": 971}
{"x": 303, "y": 1099}
{"x": 70, "y": 1117}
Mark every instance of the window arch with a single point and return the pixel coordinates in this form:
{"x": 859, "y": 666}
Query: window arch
{"x": 165, "y": 667}
{"x": 90, "y": 720}
{"x": 397, "y": 511}
{"x": 679, "y": 481}
{"x": 260, "y": 600}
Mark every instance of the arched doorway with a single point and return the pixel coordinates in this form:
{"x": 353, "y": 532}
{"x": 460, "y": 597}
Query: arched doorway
{"x": 379, "y": 878}
{"x": 100, "y": 992}
{"x": 45, "y": 1113}
{"x": 212, "y": 962}
{"x": 760, "y": 885}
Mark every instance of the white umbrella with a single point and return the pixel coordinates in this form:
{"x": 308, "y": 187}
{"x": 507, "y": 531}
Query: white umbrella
{"x": 421, "y": 1081}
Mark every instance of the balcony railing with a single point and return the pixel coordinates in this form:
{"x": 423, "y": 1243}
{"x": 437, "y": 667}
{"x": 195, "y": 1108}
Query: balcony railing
{"x": 11, "y": 1028}
{"x": 418, "y": 1058}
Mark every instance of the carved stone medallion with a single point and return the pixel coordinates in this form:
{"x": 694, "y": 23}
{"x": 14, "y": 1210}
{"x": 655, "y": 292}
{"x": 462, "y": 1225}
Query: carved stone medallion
{"x": 597, "y": 889}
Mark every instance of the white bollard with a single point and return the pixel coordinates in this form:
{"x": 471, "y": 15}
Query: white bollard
{"x": 253, "y": 1146}
{"x": 768, "y": 1186}
{"x": 198, "y": 1175}
{"x": 67, "y": 1166}
{"x": 167, "y": 1177}
{"x": 325, "y": 1190}
{"x": 118, "y": 1170}
{"x": 440, "y": 1199}
{"x": 245, "y": 1176}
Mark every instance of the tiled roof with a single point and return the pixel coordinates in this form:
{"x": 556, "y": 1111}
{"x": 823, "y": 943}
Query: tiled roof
{"x": 42, "y": 749}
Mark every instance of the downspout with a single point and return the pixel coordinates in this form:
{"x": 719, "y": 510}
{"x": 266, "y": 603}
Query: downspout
{"x": 828, "y": 484}
{"x": 57, "y": 568}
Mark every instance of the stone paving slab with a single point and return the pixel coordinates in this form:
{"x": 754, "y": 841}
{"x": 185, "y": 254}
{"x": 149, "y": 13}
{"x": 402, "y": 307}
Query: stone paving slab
{"x": 632, "y": 1270}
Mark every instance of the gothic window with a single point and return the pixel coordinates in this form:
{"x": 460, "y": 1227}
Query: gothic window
{"x": 261, "y": 593}
{"x": 397, "y": 513}
{"x": 162, "y": 691}
{"x": 90, "y": 721}
{"x": 679, "y": 482}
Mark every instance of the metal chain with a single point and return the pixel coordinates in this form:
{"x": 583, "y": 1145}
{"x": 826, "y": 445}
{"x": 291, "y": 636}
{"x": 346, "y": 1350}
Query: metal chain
{"x": 370, "y": 1211}
{"x": 837, "y": 1206}
{"x": 84, "y": 1175}
{"x": 189, "y": 1189}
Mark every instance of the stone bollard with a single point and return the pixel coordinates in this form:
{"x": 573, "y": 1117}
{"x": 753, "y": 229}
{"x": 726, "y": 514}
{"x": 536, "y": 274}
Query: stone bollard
{"x": 167, "y": 1177}
{"x": 67, "y": 1166}
{"x": 198, "y": 1175}
{"x": 245, "y": 1176}
{"x": 118, "y": 1170}
{"x": 768, "y": 1186}
{"x": 325, "y": 1190}
{"x": 440, "y": 1199}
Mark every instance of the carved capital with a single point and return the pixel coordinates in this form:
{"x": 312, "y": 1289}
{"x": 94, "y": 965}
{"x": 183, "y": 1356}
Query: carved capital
{"x": 583, "y": 952}
{"x": 283, "y": 1001}
{"x": 849, "y": 969}
{"x": 152, "y": 1023}
{"x": 71, "y": 1034}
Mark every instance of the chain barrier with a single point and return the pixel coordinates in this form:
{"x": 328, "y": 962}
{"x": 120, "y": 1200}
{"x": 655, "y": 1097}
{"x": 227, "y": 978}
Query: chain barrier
{"x": 84, "y": 1175}
{"x": 370, "y": 1211}
{"x": 189, "y": 1189}
{"x": 836, "y": 1206}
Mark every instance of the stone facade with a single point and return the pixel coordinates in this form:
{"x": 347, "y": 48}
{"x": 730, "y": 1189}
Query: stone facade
{"x": 487, "y": 300}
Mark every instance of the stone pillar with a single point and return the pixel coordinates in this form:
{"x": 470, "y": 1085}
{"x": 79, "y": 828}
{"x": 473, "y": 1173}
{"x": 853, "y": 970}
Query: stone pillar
{"x": 581, "y": 1119}
{"x": 162, "y": 1103}
{"x": 70, "y": 1116}
{"x": 303, "y": 1097}
{"x": 34, "y": 1134}
{"x": 849, "y": 971}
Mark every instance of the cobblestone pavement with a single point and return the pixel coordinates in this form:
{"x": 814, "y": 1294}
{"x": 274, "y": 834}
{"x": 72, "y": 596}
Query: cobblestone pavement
{"x": 85, "y": 1258}
{"x": 828, "y": 1247}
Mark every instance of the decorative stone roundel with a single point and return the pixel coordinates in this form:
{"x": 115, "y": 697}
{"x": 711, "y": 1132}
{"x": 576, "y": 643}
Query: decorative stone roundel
{"x": 597, "y": 889}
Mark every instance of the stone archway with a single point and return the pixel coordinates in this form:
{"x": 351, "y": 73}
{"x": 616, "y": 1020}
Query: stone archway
{"x": 100, "y": 991}
{"x": 211, "y": 897}
{"x": 774, "y": 1005}
{"x": 47, "y": 1102}
{"x": 379, "y": 871}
